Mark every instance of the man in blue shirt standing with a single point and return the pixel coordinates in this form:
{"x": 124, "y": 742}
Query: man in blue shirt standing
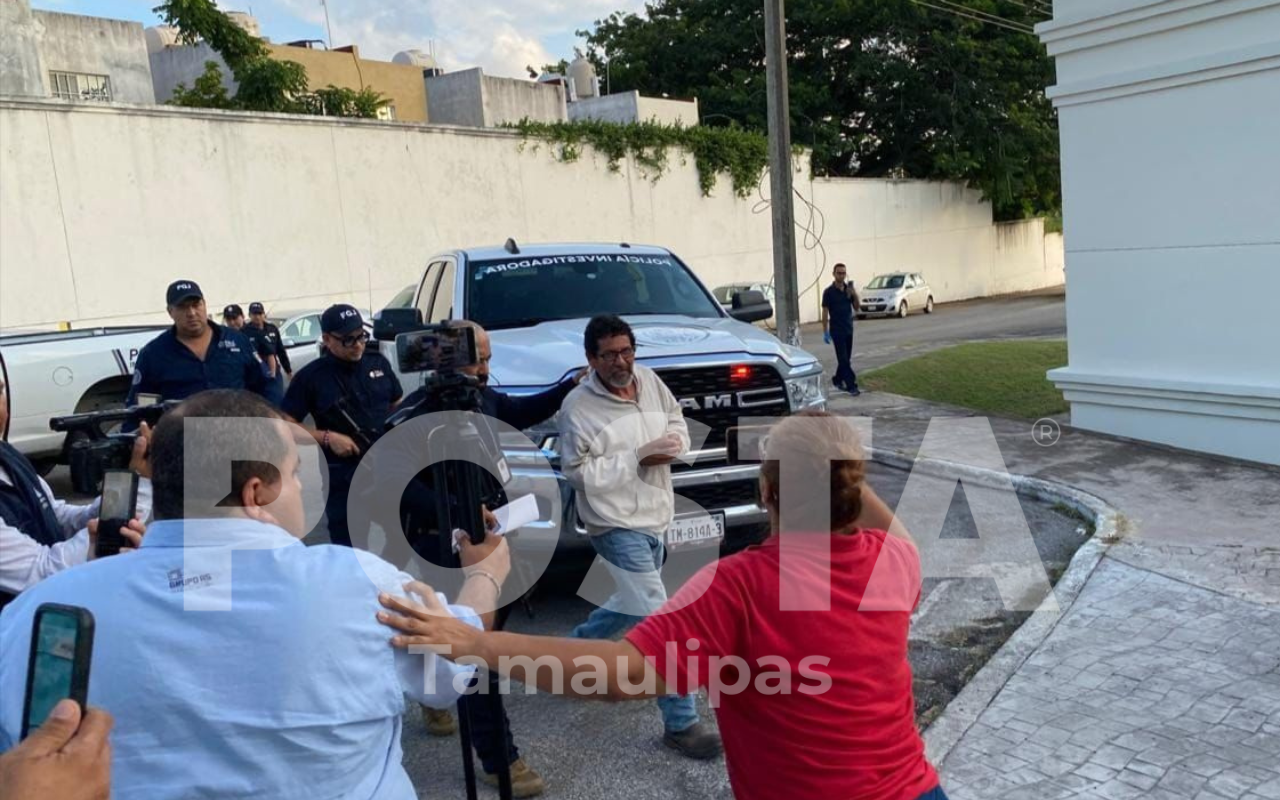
{"x": 838, "y": 304}
{"x": 236, "y": 661}
{"x": 195, "y": 354}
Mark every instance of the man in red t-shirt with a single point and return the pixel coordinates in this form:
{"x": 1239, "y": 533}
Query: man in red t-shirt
{"x": 813, "y": 702}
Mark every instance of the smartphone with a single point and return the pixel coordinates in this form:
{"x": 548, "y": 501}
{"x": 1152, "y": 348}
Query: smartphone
{"x": 119, "y": 504}
{"x": 61, "y": 651}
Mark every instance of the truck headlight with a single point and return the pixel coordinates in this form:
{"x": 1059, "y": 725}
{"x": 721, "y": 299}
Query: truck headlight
{"x": 806, "y": 392}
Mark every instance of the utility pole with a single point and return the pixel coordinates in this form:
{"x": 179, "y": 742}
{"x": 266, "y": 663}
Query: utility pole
{"x": 785, "y": 282}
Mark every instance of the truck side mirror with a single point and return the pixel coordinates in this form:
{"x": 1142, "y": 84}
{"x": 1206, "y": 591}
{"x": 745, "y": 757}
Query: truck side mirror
{"x": 391, "y": 322}
{"x": 750, "y": 306}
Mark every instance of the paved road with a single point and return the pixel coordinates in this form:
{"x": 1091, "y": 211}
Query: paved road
{"x": 878, "y": 342}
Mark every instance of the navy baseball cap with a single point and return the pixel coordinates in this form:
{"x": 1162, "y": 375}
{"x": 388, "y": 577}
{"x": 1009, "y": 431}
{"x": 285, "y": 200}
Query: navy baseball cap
{"x": 256, "y": 308}
{"x": 340, "y": 320}
{"x": 182, "y": 290}
{"x": 232, "y": 311}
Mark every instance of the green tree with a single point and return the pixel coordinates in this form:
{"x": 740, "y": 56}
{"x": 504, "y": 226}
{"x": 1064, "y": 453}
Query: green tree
{"x": 206, "y": 92}
{"x": 265, "y": 83}
{"x": 879, "y": 88}
{"x": 338, "y": 101}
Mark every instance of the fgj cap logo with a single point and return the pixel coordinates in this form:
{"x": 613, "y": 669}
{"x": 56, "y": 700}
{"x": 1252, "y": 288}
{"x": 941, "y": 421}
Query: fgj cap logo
{"x": 348, "y": 314}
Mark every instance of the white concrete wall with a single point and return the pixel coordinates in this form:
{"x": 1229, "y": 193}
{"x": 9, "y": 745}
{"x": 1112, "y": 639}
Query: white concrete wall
{"x": 300, "y": 211}
{"x": 22, "y": 71}
{"x": 626, "y": 107}
{"x": 476, "y": 100}
{"x": 456, "y": 98}
{"x": 668, "y": 112}
{"x": 97, "y": 46}
{"x": 1168, "y": 113}
{"x": 508, "y": 100}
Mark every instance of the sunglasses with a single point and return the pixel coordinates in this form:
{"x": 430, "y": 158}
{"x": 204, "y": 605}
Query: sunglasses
{"x": 354, "y": 339}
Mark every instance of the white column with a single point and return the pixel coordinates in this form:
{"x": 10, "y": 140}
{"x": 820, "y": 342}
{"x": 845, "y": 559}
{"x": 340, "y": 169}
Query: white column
{"x": 1169, "y": 113}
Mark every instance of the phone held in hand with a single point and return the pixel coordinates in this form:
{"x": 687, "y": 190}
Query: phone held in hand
{"x": 61, "y": 652}
{"x": 119, "y": 505}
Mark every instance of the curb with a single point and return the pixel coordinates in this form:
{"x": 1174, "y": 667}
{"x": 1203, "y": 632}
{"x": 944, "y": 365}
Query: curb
{"x": 965, "y": 708}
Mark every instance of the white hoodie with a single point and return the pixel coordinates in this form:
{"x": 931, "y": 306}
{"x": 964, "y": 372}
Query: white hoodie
{"x": 600, "y": 434}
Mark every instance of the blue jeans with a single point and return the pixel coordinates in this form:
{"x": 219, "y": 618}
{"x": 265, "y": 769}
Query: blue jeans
{"x": 634, "y": 560}
{"x": 936, "y": 794}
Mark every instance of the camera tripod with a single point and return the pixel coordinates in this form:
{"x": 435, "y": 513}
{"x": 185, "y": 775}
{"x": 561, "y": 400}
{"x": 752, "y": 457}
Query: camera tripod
{"x": 458, "y": 484}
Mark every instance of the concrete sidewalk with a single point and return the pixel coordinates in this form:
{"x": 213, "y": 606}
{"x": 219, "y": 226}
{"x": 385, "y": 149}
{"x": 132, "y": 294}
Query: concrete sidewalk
{"x": 1162, "y": 678}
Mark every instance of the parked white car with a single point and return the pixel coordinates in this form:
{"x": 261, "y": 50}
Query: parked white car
{"x": 895, "y": 294}
{"x": 55, "y": 373}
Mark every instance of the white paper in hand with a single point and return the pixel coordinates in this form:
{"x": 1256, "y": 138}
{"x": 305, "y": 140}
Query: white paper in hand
{"x": 511, "y": 517}
{"x": 515, "y": 515}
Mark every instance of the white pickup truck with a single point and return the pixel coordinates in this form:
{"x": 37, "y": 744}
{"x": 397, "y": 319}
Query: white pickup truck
{"x": 72, "y": 372}
{"x": 535, "y": 302}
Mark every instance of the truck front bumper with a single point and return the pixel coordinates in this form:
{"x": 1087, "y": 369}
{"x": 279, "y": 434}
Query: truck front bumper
{"x": 560, "y": 529}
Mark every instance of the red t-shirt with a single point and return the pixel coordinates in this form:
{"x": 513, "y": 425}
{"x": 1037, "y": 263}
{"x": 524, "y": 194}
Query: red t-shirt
{"x": 857, "y": 740}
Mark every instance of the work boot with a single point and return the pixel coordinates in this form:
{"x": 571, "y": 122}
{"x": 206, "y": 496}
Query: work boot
{"x": 440, "y": 722}
{"x": 697, "y": 741}
{"x": 525, "y": 782}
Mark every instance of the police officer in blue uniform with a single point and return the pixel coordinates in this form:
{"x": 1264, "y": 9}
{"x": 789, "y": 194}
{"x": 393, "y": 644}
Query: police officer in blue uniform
{"x": 195, "y": 354}
{"x": 349, "y": 392}
{"x": 268, "y": 335}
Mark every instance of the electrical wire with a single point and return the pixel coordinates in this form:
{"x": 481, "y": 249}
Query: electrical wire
{"x": 999, "y": 24}
{"x": 1033, "y": 6}
{"x": 815, "y": 228}
{"x": 994, "y": 18}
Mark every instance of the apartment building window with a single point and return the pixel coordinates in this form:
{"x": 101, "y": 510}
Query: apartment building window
{"x": 387, "y": 112}
{"x": 80, "y": 86}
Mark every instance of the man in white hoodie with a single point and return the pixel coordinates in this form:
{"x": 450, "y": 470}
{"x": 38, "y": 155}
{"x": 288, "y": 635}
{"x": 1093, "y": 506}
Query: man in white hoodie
{"x": 620, "y": 430}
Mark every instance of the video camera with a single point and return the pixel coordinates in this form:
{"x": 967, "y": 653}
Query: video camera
{"x": 92, "y": 451}
{"x": 436, "y": 352}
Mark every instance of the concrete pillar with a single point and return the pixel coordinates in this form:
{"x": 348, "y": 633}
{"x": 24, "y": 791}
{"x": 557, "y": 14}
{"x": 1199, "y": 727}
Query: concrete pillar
{"x": 1171, "y": 195}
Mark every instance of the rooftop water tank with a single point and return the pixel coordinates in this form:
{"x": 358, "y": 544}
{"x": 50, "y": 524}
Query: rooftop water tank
{"x": 583, "y": 75}
{"x": 158, "y": 37}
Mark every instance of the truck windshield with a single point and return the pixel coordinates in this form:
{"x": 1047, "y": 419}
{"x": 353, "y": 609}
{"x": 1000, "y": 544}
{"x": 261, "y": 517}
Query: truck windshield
{"x": 521, "y": 291}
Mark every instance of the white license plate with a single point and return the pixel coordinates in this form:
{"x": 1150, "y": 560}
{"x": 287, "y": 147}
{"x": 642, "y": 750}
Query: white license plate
{"x": 696, "y": 530}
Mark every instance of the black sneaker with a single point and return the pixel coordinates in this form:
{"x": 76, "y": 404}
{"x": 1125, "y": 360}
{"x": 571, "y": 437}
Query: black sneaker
{"x": 697, "y": 741}
{"x": 854, "y": 392}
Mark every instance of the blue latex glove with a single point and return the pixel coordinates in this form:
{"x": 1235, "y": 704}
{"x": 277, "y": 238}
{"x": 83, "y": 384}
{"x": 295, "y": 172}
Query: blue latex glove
{"x": 826, "y": 337}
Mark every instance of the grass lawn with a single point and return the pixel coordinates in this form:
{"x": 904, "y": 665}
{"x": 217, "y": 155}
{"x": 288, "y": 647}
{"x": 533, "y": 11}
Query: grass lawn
{"x": 1000, "y": 378}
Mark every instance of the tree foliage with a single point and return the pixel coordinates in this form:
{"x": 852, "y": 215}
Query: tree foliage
{"x": 265, "y": 84}
{"x": 878, "y": 87}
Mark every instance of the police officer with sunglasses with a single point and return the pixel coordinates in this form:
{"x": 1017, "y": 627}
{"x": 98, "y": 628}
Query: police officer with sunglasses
{"x": 348, "y": 392}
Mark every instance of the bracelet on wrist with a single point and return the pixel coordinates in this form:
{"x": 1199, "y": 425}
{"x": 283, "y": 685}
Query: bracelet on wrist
{"x": 479, "y": 573}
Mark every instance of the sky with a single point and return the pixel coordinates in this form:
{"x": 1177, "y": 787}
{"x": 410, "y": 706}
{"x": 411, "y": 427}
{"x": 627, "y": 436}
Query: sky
{"x": 502, "y": 36}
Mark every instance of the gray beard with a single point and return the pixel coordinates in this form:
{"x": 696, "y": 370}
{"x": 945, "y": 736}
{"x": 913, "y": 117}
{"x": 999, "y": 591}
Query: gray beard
{"x": 621, "y": 383}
